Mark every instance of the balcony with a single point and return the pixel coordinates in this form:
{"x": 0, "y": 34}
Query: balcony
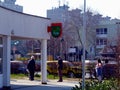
{"x": 101, "y": 35}
{"x": 100, "y": 46}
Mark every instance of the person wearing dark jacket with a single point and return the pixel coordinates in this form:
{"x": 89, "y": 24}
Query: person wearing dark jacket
{"x": 31, "y": 68}
{"x": 60, "y": 67}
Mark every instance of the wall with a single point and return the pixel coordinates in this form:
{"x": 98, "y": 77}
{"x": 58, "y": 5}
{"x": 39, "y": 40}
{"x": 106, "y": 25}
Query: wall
{"x": 22, "y": 25}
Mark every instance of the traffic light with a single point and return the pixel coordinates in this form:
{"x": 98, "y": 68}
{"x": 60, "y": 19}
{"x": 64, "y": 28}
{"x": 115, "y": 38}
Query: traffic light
{"x": 55, "y": 29}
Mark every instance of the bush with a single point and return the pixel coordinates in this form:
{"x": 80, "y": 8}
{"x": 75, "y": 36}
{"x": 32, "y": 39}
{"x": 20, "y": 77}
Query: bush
{"x": 95, "y": 85}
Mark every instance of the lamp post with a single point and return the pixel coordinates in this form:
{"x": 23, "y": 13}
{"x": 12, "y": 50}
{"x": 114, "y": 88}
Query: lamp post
{"x": 84, "y": 46}
{"x": 61, "y": 47}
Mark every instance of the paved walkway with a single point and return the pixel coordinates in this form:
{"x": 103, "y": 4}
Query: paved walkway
{"x": 36, "y": 85}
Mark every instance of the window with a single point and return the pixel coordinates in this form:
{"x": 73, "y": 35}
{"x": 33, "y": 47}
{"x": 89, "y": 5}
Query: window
{"x": 101, "y": 42}
{"x": 101, "y": 31}
{"x": 1, "y": 42}
{"x": 105, "y": 30}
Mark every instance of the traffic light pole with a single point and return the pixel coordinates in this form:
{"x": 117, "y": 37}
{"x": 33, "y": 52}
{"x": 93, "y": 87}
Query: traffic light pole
{"x": 84, "y": 47}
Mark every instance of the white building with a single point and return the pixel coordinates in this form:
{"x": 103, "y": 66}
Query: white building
{"x": 10, "y": 4}
{"x": 15, "y": 25}
{"x": 107, "y": 34}
{"x": 58, "y": 14}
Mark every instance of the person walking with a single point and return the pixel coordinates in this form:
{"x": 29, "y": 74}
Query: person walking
{"x": 31, "y": 68}
{"x": 60, "y": 67}
{"x": 98, "y": 69}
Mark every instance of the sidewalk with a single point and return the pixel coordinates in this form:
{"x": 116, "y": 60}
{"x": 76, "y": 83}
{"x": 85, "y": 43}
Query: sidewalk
{"x": 36, "y": 85}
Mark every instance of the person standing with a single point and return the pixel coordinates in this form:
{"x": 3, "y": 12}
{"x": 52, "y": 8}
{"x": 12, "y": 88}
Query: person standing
{"x": 99, "y": 70}
{"x": 31, "y": 68}
{"x": 60, "y": 67}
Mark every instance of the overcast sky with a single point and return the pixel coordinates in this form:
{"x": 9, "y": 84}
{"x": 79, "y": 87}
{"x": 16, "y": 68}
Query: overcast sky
{"x": 105, "y": 7}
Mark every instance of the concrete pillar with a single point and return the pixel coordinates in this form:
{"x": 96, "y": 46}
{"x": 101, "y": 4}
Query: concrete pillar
{"x": 44, "y": 61}
{"x": 1, "y": 81}
{"x": 6, "y": 61}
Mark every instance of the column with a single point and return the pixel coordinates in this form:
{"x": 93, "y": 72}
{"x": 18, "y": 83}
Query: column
{"x": 44, "y": 61}
{"x": 6, "y": 61}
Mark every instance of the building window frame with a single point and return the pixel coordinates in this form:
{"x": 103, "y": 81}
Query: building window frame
{"x": 100, "y": 31}
{"x": 101, "y": 41}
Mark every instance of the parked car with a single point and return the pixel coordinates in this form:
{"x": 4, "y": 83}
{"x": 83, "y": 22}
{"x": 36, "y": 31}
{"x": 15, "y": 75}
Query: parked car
{"x": 110, "y": 71}
{"x": 18, "y": 67}
{"x": 37, "y": 65}
{"x": 89, "y": 67}
{"x": 68, "y": 69}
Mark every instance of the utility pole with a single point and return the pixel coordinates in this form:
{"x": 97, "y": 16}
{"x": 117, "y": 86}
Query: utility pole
{"x": 84, "y": 46}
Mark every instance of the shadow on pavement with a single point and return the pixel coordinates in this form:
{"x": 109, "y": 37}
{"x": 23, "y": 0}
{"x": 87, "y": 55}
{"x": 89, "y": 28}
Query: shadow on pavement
{"x": 40, "y": 87}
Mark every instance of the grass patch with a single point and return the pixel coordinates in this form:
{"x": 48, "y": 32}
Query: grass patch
{"x": 24, "y": 76}
{"x": 51, "y": 76}
{"x": 37, "y": 76}
{"x": 18, "y": 76}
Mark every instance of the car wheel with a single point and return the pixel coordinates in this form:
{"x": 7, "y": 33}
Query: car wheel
{"x": 71, "y": 75}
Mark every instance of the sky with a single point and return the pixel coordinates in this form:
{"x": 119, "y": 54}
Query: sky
{"x": 39, "y": 7}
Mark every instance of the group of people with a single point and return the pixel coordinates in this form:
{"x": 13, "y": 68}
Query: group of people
{"x": 31, "y": 68}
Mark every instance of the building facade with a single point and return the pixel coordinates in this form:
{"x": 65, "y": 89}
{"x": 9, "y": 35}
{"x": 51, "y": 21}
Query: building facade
{"x": 105, "y": 33}
{"x": 58, "y": 14}
{"x": 10, "y": 4}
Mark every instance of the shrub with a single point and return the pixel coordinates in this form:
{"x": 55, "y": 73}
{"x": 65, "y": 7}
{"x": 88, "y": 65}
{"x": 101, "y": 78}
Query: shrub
{"x": 95, "y": 85}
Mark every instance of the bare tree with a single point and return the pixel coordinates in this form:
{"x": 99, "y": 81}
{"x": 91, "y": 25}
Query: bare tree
{"x": 72, "y": 27}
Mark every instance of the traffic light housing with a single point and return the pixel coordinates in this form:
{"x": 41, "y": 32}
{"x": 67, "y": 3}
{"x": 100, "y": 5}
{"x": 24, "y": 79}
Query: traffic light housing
{"x": 55, "y": 29}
